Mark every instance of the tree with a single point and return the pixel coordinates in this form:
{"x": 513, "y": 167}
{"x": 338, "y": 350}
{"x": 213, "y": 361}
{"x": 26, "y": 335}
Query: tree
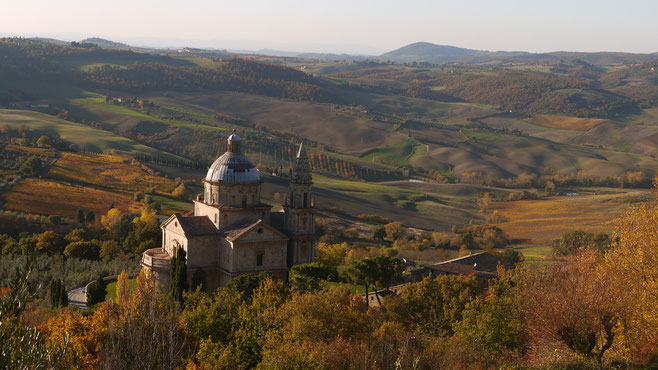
{"x": 379, "y": 233}
{"x": 58, "y": 296}
{"x": 21, "y": 345}
{"x": 434, "y": 306}
{"x": 50, "y": 242}
{"x": 246, "y": 284}
{"x": 199, "y": 280}
{"x": 495, "y": 322}
{"x": 181, "y": 192}
{"x": 578, "y": 304}
{"x": 80, "y": 216}
{"x": 485, "y": 201}
{"x": 308, "y": 277}
{"x": 32, "y": 166}
{"x": 109, "y": 250}
{"x": 576, "y": 241}
{"x": 44, "y": 141}
{"x": 331, "y": 254}
{"x": 632, "y": 261}
{"x": 91, "y": 217}
{"x": 395, "y": 231}
{"x": 96, "y": 291}
{"x": 145, "y": 233}
{"x": 373, "y": 271}
{"x": 83, "y": 250}
{"x": 178, "y": 275}
{"x": 144, "y": 333}
{"x": 123, "y": 290}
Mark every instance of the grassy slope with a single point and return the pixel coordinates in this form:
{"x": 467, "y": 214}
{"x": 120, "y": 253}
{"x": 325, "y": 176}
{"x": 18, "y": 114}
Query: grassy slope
{"x": 397, "y": 154}
{"x": 541, "y": 221}
{"x": 91, "y": 182}
{"x": 85, "y": 137}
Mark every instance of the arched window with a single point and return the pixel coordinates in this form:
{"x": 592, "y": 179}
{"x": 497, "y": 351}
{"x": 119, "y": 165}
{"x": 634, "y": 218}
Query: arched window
{"x": 305, "y": 200}
{"x": 244, "y": 201}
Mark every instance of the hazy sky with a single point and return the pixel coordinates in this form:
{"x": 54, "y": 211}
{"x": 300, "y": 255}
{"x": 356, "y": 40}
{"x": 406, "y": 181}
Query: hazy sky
{"x": 345, "y": 25}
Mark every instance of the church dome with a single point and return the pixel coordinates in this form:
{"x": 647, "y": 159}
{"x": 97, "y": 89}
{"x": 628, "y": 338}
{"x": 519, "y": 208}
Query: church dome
{"x": 232, "y": 167}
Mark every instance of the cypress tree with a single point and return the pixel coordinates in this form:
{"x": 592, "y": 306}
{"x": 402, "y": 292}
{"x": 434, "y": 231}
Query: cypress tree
{"x": 80, "y": 216}
{"x": 58, "y": 296}
{"x": 178, "y": 275}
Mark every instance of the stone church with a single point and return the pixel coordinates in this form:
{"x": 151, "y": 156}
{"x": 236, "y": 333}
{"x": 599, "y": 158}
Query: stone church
{"x": 231, "y": 232}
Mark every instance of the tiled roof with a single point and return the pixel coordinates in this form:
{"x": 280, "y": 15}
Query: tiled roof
{"x": 235, "y": 231}
{"x": 482, "y": 261}
{"x": 196, "y": 225}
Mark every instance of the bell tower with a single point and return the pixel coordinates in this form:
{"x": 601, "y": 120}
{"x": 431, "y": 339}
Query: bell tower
{"x": 299, "y": 208}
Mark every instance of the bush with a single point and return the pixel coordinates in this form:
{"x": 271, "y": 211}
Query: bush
{"x": 573, "y": 242}
{"x": 83, "y": 250}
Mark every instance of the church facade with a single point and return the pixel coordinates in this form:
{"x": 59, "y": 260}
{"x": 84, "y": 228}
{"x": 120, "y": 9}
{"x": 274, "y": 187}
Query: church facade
{"x": 231, "y": 232}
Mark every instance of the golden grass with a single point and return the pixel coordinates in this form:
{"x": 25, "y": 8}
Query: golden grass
{"x": 107, "y": 171}
{"x": 31, "y": 150}
{"x": 91, "y": 182}
{"x": 541, "y": 221}
{"x": 48, "y": 197}
{"x": 565, "y": 122}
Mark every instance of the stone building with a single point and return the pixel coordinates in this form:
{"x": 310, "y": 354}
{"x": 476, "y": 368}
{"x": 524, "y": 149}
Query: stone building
{"x": 231, "y": 232}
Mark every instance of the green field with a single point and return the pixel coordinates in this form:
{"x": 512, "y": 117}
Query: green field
{"x": 85, "y": 137}
{"x": 397, "y": 154}
{"x": 111, "y": 289}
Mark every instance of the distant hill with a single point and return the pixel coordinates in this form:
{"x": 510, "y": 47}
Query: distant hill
{"x": 106, "y": 44}
{"x": 440, "y": 54}
{"x": 428, "y": 52}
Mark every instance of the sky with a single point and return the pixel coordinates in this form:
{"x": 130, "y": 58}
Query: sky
{"x": 344, "y": 26}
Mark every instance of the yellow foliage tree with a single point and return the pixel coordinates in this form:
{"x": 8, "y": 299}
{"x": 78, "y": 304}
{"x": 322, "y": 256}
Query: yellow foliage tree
{"x": 123, "y": 290}
{"x": 633, "y": 260}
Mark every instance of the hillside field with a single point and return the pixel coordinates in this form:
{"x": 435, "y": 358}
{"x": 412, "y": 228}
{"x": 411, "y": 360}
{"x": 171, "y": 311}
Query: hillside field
{"x": 542, "y": 221}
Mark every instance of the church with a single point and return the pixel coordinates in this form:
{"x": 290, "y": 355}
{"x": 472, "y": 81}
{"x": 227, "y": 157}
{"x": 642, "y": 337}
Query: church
{"x": 231, "y": 232}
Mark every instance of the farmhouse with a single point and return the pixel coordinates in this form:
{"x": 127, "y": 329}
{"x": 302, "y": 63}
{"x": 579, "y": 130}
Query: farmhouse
{"x": 231, "y": 232}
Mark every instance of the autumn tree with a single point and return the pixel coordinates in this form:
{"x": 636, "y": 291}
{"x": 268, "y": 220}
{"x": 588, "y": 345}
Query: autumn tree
{"x": 632, "y": 260}
{"x": 50, "y": 242}
{"x": 331, "y": 254}
{"x": 395, "y": 231}
{"x": 83, "y": 250}
{"x": 578, "y": 304}
{"x": 435, "y": 305}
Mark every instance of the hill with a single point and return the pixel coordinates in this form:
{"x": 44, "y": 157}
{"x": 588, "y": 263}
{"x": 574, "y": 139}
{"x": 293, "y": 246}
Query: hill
{"x": 440, "y": 54}
{"x": 428, "y": 52}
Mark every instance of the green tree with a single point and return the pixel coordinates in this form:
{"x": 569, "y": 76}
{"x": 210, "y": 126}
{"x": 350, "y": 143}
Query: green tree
{"x": 22, "y": 346}
{"x": 80, "y": 215}
{"x": 308, "y": 277}
{"x": 96, "y": 291}
{"x": 246, "y": 284}
{"x": 32, "y": 166}
{"x": 178, "y": 275}
{"x": 58, "y": 296}
{"x": 434, "y": 306}
{"x": 495, "y": 322}
{"x": 91, "y": 217}
{"x": 379, "y": 233}
{"x": 8, "y": 245}
{"x": 381, "y": 270}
